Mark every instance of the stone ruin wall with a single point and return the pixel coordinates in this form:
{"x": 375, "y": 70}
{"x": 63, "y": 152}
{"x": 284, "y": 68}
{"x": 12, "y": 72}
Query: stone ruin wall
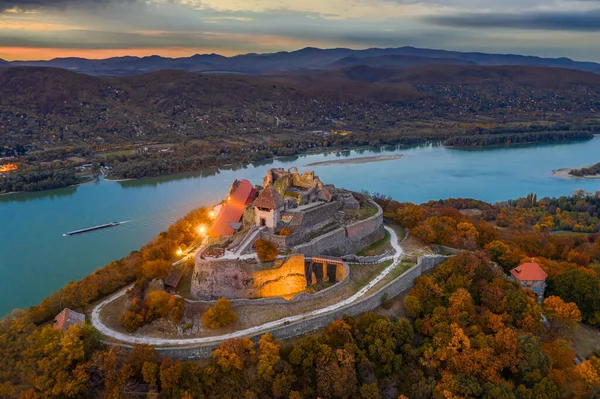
{"x": 366, "y": 232}
{"x": 347, "y": 240}
{"x": 285, "y": 281}
{"x": 304, "y": 180}
{"x": 394, "y": 288}
{"x": 216, "y": 279}
{"x": 333, "y": 243}
{"x": 313, "y": 219}
{"x": 321, "y": 215}
{"x": 236, "y": 280}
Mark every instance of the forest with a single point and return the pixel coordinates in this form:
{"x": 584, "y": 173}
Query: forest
{"x": 589, "y": 171}
{"x": 465, "y": 330}
{"x": 516, "y": 138}
{"x": 37, "y": 180}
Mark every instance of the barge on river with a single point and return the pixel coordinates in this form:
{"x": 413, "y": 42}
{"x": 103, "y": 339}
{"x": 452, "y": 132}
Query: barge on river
{"x": 102, "y": 226}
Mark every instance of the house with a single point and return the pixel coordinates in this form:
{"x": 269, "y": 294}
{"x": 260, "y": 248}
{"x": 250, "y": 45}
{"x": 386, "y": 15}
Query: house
{"x": 228, "y": 221}
{"x": 173, "y": 280}
{"x": 268, "y": 207}
{"x": 531, "y": 275}
{"x": 67, "y": 318}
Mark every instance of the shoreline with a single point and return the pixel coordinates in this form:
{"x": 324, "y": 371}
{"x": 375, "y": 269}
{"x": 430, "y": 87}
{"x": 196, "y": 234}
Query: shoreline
{"x": 357, "y": 161}
{"x": 564, "y": 174}
{"x": 304, "y": 153}
{"x": 43, "y": 191}
{"x": 513, "y": 145}
{"x": 121, "y": 180}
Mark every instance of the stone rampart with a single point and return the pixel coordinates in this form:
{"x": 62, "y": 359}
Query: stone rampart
{"x": 321, "y": 215}
{"x": 348, "y": 239}
{"x": 394, "y": 288}
{"x": 301, "y": 297}
{"x": 365, "y": 232}
{"x": 333, "y": 243}
{"x": 279, "y": 241}
{"x": 366, "y": 259}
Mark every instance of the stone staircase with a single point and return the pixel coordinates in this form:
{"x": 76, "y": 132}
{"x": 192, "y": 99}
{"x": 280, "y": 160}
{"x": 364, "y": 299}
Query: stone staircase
{"x": 248, "y": 241}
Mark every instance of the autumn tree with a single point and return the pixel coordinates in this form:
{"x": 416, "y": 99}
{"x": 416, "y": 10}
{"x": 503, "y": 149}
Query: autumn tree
{"x": 505, "y": 256}
{"x": 409, "y": 215}
{"x": 266, "y": 250}
{"x": 268, "y": 358}
{"x": 581, "y": 288}
{"x": 219, "y": 315}
{"x": 562, "y": 316}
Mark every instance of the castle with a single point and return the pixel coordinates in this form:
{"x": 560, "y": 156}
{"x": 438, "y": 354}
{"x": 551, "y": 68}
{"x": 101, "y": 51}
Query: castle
{"x": 312, "y": 224}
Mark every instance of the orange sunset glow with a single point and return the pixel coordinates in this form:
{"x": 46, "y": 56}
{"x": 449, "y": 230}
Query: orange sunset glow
{"x": 32, "y": 54}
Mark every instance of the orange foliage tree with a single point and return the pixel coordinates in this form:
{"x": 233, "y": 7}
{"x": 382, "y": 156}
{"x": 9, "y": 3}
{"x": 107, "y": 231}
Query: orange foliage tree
{"x": 266, "y": 250}
{"x": 219, "y": 315}
{"x": 158, "y": 304}
{"x": 562, "y": 316}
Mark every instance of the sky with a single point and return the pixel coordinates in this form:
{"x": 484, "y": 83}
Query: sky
{"x": 45, "y": 29}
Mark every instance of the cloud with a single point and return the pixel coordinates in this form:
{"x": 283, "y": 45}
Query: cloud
{"x": 588, "y": 21}
{"x": 29, "y": 5}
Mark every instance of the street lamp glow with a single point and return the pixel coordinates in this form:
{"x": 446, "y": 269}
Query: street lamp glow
{"x": 179, "y": 252}
{"x": 211, "y": 214}
{"x": 201, "y": 229}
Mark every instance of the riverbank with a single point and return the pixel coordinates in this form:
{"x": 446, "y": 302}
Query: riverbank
{"x": 356, "y": 161}
{"x": 86, "y": 180}
{"x": 309, "y": 152}
{"x": 565, "y": 174}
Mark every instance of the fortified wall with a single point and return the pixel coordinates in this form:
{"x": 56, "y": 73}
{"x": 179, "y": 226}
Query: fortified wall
{"x": 394, "y": 288}
{"x": 348, "y": 239}
{"x": 235, "y": 279}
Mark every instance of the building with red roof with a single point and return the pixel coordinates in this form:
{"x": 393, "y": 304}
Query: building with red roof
{"x": 67, "y": 318}
{"x": 228, "y": 221}
{"x": 531, "y": 275}
{"x": 268, "y": 206}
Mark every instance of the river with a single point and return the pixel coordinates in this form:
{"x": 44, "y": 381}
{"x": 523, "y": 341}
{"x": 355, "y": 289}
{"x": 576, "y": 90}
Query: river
{"x": 35, "y": 259}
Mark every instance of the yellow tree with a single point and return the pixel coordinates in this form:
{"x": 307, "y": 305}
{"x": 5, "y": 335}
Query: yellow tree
{"x": 268, "y": 358}
{"x": 220, "y": 315}
{"x": 562, "y": 316}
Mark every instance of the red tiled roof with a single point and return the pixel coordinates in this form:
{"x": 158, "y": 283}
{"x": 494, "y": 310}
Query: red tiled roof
{"x": 269, "y": 198}
{"x": 529, "y": 272}
{"x": 67, "y": 318}
{"x": 233, "y": 210}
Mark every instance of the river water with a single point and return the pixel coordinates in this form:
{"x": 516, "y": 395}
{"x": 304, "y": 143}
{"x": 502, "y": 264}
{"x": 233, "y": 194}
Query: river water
{"x": 35, "y": 259}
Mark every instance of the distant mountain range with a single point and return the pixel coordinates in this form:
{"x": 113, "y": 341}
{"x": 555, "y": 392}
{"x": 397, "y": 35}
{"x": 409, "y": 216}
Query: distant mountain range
{"x": 307, "y": 58}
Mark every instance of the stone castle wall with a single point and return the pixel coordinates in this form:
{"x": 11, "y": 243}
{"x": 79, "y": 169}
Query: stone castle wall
{"x": 236, "y": 280}
{"x": 333, "y": 243}
{"x": 346, "y": 240}
{"x": 394, "y": 288}
{"x": 342, "y": 275}
{"x": 223, "y": 278}
{"x": 321, "y": 215}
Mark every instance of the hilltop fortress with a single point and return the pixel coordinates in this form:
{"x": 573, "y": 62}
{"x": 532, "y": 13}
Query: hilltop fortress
{"x": 311, "y": 224}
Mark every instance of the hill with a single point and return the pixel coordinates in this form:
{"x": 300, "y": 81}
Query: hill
{"x": 544, "y": 78}
{"x": 395, "y": 61}
{"x": 193, "y": 121}
{"x": 62, "y": 106}
{"x": 307, "y": 58}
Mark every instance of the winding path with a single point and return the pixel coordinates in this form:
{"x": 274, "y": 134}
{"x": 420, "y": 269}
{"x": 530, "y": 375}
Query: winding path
{"x": 263, "y": 328}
